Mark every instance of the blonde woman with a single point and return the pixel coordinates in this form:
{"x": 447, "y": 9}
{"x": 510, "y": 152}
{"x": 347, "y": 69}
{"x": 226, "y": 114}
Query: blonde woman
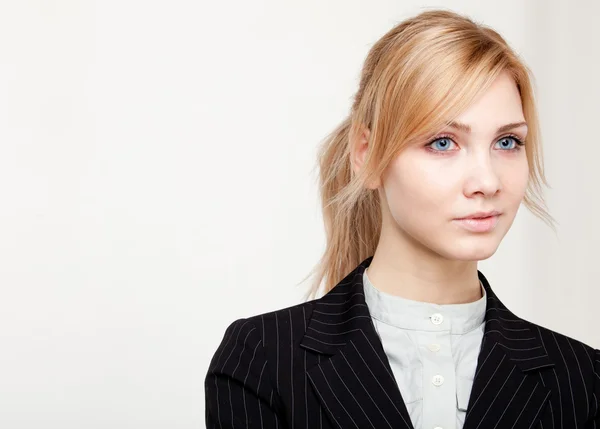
{"x": 421, "y": 181}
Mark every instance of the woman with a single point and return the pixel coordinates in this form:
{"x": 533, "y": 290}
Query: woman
{"x": 420, "y": 182}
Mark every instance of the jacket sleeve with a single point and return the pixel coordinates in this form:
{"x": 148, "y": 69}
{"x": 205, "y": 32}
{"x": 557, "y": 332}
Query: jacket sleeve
{"x": 238, "y": 390}
{"x": 597, "y": 390}
{"x": 595, "y": 421}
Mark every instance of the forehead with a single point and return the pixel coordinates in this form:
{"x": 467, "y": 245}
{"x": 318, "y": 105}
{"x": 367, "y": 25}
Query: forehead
{"x": 498, "y": 105}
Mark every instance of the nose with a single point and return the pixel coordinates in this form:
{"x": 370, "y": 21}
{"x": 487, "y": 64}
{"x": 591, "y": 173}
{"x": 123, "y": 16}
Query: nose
{"x": 482, "y": 177}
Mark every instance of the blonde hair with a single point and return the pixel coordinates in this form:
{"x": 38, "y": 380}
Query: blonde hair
{"x": 422, "y": 73}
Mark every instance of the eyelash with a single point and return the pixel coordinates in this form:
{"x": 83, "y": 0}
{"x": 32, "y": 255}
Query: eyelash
{"x": 520, "y": 143}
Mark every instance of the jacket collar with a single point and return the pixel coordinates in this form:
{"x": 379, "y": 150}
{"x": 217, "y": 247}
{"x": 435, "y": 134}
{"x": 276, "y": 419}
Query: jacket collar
{"x": 342, "y": 312}
{"x": 356, "y": 386}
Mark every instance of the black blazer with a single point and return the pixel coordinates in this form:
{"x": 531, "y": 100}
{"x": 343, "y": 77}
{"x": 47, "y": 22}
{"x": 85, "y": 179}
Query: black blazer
{"x": 320, "y": 364}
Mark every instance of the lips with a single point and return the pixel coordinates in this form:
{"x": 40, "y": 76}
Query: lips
{"x": 481, "y": 215}
{"x": 472, "y": 224}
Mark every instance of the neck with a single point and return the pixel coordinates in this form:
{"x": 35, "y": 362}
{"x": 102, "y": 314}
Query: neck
{"x": 421, "y": 276}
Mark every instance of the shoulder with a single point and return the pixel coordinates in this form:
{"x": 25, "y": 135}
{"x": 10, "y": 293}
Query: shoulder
{"x": 249, "y": 336}
{"x": 277, "y": 325}
{"x": 250, "y": 342}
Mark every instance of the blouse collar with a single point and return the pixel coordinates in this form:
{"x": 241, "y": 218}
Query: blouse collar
{"x": 424, "y": 316}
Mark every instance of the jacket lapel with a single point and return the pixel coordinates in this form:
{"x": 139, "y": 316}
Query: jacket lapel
{"x": 507, "y": 391}
{"x": 356, "y": 385}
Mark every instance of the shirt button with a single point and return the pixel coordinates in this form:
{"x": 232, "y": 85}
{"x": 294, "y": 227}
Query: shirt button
{"x": 437, "y": 318}
{"x": 434, "y": 347}
{"x": 437, "y": 380}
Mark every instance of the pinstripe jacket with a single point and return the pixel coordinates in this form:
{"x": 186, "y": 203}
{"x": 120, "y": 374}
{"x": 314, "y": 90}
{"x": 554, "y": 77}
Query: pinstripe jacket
{"x": 320, "y": 364}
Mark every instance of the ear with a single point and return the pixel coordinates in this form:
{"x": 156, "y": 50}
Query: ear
{"x": 360, "y": 149}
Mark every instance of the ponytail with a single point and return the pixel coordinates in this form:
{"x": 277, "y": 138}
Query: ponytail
{"x": 351, "y": 213}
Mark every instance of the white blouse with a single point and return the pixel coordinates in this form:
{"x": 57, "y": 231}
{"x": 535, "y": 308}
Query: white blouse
{"x": 432, "y": 350}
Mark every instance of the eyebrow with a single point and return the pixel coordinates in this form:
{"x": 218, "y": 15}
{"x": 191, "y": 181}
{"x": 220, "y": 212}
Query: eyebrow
{"x": 467, "y": 128}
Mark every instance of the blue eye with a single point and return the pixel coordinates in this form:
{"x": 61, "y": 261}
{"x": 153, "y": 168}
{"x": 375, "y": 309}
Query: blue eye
{"x": 441, "y": 144}
{"x": 509, "y": 138}
{"x": 446, "y": 142}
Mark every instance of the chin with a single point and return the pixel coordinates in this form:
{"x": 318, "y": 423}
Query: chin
{"x": 471, "y": 250}
{"x": 468, "y": 256}
{"x": 476, "y": 247}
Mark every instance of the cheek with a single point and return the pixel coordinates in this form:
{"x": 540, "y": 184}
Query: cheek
{"x": 417, "y": 190}
{"x": 515, "y": 181}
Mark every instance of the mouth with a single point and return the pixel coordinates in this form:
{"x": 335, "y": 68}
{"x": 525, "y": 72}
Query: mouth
{"x": 479, "y": 224}
{"x": 481, "y": 215}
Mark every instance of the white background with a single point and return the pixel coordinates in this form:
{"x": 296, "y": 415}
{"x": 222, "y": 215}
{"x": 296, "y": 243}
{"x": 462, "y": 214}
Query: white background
{"x": 157, "y": 182}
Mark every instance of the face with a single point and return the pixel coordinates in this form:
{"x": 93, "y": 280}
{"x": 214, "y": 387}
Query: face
{"x": 458, "y": 173}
